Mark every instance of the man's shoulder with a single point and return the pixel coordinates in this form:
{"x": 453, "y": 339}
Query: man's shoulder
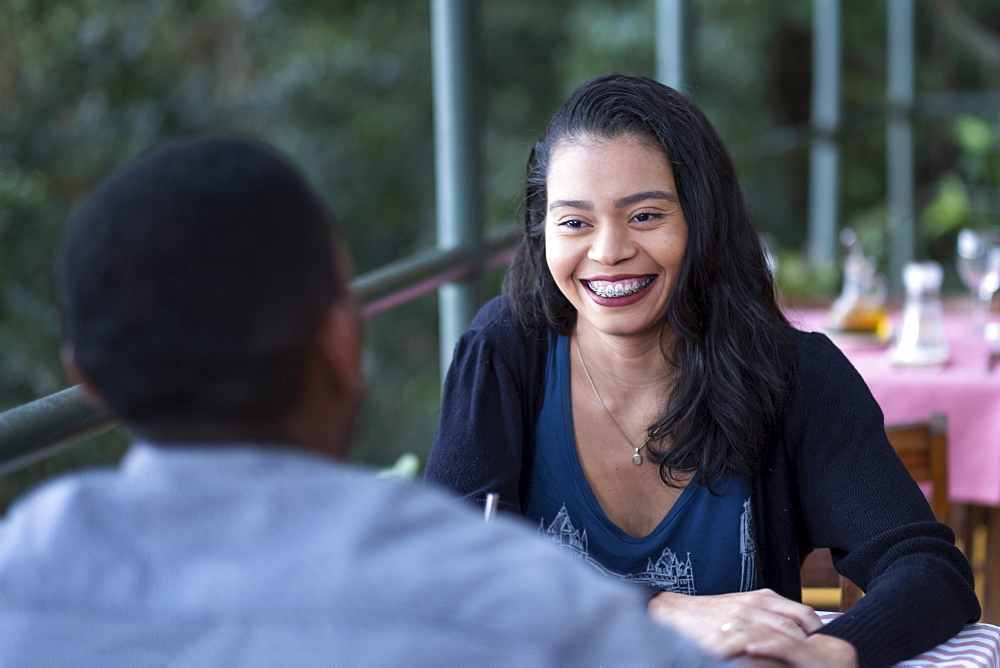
{"x": 519, "y": 588}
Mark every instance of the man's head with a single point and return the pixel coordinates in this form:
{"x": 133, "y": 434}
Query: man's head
{"x": 200, "y": 286}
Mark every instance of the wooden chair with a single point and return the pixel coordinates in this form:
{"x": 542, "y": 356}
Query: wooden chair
{"x": 923, "y": 448}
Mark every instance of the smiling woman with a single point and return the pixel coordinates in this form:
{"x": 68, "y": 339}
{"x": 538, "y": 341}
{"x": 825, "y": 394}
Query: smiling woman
{"x": 638, "y": 395}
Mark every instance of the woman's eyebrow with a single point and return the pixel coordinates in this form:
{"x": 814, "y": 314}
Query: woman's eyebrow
{"x": 572, "y": 203}
{"x": 629, "y": 200}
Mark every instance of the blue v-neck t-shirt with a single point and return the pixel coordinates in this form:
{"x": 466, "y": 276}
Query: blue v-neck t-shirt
{"x": 704, "y": 545}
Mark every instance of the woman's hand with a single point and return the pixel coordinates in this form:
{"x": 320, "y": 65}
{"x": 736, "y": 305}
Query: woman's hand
{"x": 818, "y": 649}
{"x": 705, "y": 618}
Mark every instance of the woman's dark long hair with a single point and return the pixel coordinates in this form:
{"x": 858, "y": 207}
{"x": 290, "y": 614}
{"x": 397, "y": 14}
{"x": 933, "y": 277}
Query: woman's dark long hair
{"x": 731, "y": 340}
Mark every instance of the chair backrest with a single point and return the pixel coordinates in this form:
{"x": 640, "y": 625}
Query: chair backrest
{"x": 923, "y": 448}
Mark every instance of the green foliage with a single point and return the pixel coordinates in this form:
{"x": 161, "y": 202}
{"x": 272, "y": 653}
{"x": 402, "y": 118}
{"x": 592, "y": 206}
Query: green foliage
{"x": 344, "y": 87}
{"x": 406, "y": 467}
{"x": 968, "y": 193}
{"x": 800, "y": 281}
{"x": 949, "y": 210}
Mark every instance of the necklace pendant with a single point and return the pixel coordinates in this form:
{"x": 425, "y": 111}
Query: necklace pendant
{"x": 637, "y": 458}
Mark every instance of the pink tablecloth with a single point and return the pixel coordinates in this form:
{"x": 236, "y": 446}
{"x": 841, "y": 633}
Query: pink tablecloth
{"x": 963, "y": 389}
{"x": 975, "y": 645}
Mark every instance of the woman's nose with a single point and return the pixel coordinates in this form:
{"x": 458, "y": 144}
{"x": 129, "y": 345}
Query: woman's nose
{"x": 611, "y": 245}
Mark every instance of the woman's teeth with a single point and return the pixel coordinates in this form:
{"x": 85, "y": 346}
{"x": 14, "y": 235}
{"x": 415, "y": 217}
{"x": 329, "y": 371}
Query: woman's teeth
{"x": 611, "y": 290}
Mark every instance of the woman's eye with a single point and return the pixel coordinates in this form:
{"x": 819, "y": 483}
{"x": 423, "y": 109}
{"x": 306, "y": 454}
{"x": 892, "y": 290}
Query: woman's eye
{"x": 645, "y": 217}
{"x": 573, "y": 224}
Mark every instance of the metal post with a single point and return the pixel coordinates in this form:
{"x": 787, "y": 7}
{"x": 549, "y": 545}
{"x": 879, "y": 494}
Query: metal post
{"x": 670, "y": 42}
{"x": 824, "y": 155}
{"x": 454, "y": 32}
{"x": 899, "y": 139}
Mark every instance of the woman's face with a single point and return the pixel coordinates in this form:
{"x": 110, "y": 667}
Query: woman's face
{"x": 615, "y": 233}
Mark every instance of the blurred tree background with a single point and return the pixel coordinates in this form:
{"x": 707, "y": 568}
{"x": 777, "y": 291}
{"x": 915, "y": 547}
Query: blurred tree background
{"x": 344, "y": 88}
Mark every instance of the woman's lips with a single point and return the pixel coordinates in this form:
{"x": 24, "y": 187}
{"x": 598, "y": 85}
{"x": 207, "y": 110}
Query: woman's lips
{"x": 620, "y": 291}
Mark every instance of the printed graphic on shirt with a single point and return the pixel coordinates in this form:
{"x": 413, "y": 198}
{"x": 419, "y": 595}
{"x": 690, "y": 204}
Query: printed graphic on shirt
{"x": 669, "y": 572}
{"x": 748, "y": 550}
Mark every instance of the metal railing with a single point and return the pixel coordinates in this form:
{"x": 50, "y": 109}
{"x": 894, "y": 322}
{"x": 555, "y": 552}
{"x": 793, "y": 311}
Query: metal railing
{"x": 41, "y": 428}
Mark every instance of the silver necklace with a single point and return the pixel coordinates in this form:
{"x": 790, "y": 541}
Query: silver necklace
{"x": 636, "y": 458}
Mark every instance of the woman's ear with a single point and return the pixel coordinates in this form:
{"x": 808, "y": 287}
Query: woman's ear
{"x": 68, "y": 359}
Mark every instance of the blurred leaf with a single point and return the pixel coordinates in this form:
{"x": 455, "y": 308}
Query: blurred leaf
{"x": 949, "y": 209}
{"x": 798, "y": 279}
{"x": 974, "y": 134}
{"x": 406, "y": 467}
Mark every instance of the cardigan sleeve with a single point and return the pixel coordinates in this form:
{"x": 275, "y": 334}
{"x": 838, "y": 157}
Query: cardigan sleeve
{"x": 488, "y": 410}
{"x": 858, "y": 499}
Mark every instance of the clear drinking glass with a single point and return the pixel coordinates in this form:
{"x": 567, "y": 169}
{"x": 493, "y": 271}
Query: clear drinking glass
{"x": 978, "y": 263}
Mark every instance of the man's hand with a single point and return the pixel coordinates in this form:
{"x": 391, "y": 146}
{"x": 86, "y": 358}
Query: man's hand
{"x": 711, "y": 618}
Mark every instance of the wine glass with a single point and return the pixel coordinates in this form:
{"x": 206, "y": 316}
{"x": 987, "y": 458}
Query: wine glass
{"x": 978, "y": 262}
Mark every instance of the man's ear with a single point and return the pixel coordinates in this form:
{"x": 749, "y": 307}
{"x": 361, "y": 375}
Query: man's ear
{"x": 76, "y": 375}
{"x": 341, "y": 346}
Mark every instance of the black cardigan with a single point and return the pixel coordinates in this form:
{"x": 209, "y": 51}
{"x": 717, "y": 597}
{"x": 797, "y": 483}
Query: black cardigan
{"x": 830, "y": 479}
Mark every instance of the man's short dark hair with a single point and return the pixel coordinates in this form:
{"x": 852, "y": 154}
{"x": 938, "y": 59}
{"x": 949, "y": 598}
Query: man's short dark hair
{"x": 192, "y": 283}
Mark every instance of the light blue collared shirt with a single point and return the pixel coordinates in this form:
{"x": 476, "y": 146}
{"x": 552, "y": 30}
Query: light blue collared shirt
{"x": 267, "y": 556}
